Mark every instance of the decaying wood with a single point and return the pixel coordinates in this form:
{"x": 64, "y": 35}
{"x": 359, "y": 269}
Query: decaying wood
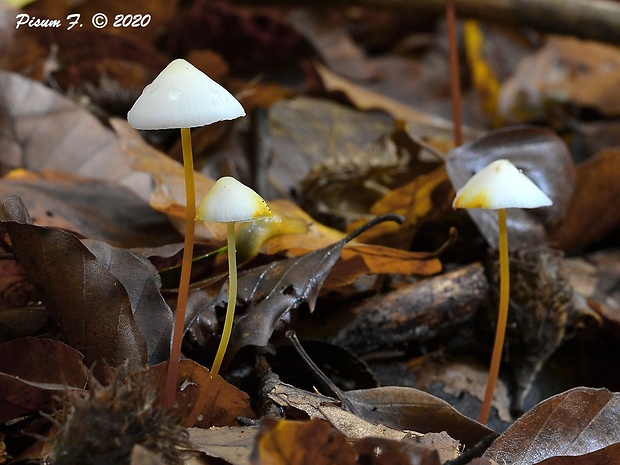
{"x": 415, "y": 313}
{"x": 588, "y": 19}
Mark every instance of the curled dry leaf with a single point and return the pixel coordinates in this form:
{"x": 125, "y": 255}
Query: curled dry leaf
{"x": 90, "y": 306}
{"x": 541, "y": 155}
{"x": 33, "y": 371}
{"x": 422, "y": 198}
{"x": 574, "y": 423}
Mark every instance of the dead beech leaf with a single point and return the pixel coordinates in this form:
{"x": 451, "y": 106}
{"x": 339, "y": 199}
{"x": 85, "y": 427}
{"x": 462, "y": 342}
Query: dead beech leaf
{"x": 414, "y": 201}
{"x": 574, "y": 423}
{"x": 541, "y": 155}
{"x": 379, "y": 451}
{"x": 20, "y": 397}
{"x": 565, "y": 69}
{"x": 609, "y": 455}
{"x": 329, "y": 36}
{"x": 33, "y": 371}
{"x": 315, "y": 442}
{"x": 225, "y": 402}
{"x": 270, "y": 292}
{"x": 92, "y": 208}
{"x": 589, "y": 217}
{"x": 141, "y": 280}
{"x": 357, "y": 259}
{"x": 366, "y": 99}
{"x": 48, "y": 132}
{"x": 411, "y": 409}
{"x": 304, "y": 131}
{"x": 90, "y": 306}
{"x": 234, "y": 444}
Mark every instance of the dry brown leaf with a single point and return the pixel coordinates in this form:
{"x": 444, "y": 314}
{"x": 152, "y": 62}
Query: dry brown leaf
{"x": 305, "y": 131}
{"x": 316, "y": 442}
{"x": 88, "y": 303}
{"x": 92, "y": 208}
{"x": 591, "y": 215}
{"x": 365, "y": 99}
{"x": 357, "y": 259}
{"x": 415, "y": 201}
{"x": 328, "y": 35}
{"x": 573, "y": 423}
{"x": 50, "y": 132}
{"x": 564, "y": 69}
{"x": 34, "y": 371}
{"x": 609, "y": 455}
{"x": 224, "y": 402}
{"x": 234, "y": 444}
{"x": 542, "y": 156}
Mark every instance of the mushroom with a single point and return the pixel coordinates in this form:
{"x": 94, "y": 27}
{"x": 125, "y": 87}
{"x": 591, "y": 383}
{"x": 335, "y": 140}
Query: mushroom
{"x": 229, "y": 201}
{"x": 498, "y": 186}
{"x": 182, "y": 96}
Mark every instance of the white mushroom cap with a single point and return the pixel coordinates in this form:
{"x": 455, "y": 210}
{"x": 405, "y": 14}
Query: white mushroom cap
{"x": 229, "y": 200}
{"x": 500, "y": 185}
{"x": 182, "y": 96}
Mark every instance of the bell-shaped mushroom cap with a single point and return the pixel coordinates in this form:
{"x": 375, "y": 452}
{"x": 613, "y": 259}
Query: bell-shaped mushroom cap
{"x": 500, "y": 185}
{"x": 182, "y": 96}
{"x": 229, "y": 200}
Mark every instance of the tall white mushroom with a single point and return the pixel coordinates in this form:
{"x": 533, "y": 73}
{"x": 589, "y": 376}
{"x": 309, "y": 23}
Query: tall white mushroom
{"x": 183, "y": 97}
{"x": 498, "y": 186}
{"x": 229, "y": 201}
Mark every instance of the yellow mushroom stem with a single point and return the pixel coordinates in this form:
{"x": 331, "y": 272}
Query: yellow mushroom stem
{"x": 232, "y": 299}
{"x": 186, "y": 269}
{"x": 502, "y": 317}
{"x": 226, "y": 331}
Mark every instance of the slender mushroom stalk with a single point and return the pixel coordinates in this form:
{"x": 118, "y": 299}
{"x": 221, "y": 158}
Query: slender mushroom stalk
{"x": 230, "y": 201}
{"x": 182, "y": 96}
{"x": 455, "y": 73}
{"x": 499, "y": 186}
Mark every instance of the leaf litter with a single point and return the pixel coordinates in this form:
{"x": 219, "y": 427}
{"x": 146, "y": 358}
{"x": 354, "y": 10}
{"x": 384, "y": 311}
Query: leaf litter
{"x": 405, "y": 298}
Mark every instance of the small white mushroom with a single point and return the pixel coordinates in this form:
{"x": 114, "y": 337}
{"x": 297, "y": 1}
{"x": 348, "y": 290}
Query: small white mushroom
{"x": 230, "y": 201}
{"x": 499, "y": 186}
{"x": 182, "y": 96}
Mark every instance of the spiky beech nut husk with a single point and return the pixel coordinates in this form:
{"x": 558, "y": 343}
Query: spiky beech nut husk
{"x": 100, "y": 426}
